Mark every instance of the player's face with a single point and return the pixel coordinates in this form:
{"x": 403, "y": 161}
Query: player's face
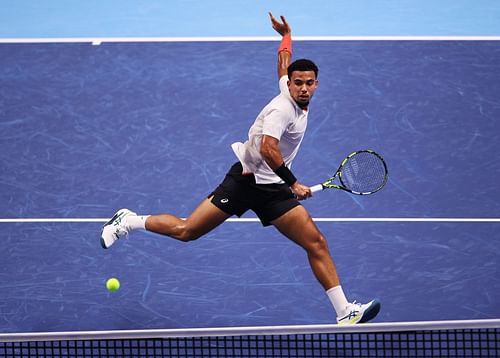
{"x": 302, "y": 86}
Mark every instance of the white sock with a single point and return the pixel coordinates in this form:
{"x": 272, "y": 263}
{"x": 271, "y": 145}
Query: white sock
{"x": 136, "y": 222}
{"x": 338, "y": 299}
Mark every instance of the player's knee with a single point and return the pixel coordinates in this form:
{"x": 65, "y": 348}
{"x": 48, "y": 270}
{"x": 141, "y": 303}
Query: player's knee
{"x": 188, "y": 234}
{"x": 318, "y": 244}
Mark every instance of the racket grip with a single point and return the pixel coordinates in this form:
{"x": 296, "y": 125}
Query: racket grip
{"x": 316, "y": 188}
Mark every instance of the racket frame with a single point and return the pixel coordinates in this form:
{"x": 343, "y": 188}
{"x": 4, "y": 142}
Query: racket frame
{"x": 328, "y": 183}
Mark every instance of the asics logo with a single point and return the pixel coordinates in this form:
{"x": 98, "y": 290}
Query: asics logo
{"x": 223, "y": 201}
{"x": 351, "y": 314}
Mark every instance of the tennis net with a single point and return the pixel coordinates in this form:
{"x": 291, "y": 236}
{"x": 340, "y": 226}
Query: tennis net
{"x": 470, "y": 338}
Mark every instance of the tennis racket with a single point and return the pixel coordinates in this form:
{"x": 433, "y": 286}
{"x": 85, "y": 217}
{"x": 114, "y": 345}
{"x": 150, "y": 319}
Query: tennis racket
{"x": 362, "y": 172}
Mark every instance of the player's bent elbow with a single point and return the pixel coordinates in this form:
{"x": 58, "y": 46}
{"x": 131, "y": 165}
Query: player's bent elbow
{"x": 264, "y": 153}
{"x": 267, "y": 150}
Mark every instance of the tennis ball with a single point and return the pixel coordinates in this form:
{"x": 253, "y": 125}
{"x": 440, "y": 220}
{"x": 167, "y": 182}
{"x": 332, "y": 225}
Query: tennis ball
{"x": 113, "y": 284}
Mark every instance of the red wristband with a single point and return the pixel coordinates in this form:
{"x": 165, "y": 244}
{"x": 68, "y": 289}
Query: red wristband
{"x": 286, "y": 43}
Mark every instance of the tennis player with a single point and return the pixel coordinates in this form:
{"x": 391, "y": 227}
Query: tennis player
{"x": 262, "y": 181}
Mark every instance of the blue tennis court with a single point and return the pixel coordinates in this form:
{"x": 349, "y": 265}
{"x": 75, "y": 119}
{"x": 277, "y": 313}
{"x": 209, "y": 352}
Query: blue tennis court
{"x": 86, "y": 130}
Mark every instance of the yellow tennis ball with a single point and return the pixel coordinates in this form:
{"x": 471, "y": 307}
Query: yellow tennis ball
{"x": 113, "y": 284}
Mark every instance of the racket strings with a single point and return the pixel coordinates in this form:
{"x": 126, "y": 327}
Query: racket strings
{"x": 364, "y": 172}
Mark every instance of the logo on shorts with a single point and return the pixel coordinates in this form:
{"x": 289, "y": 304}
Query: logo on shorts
{"x": 223, "y": 201}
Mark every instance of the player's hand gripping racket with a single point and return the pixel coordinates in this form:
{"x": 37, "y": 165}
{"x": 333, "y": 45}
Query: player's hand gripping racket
{"x": 362, "y": 172}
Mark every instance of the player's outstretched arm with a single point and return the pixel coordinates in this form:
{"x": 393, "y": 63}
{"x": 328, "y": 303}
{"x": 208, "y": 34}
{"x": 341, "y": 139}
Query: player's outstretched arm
{"x": 285, "y": 50}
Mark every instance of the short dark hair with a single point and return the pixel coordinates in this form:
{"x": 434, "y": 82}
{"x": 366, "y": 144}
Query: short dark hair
{"x": 302, "y": 65}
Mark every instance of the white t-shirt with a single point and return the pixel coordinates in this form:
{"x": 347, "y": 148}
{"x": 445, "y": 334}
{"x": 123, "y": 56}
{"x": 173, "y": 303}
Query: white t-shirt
{"x": 282, "y": 119}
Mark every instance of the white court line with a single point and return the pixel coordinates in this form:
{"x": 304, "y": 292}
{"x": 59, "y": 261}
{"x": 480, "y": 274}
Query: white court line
{"x": 246, "y": 220}
{"x": 100, "y": 40}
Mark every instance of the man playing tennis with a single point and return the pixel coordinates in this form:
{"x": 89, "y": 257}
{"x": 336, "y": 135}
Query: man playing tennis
{"x": 262, "y": 181}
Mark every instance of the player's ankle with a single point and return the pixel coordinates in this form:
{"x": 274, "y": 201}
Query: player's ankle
{"x": 136, "y": 222}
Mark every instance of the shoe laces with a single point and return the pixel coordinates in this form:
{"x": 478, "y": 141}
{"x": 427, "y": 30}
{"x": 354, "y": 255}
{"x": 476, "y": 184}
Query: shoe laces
{"x": 354, "y": 303}
{"x": 351, "y": 307}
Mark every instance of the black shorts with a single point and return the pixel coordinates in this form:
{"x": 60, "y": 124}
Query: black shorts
{"x": 238, "y": 193}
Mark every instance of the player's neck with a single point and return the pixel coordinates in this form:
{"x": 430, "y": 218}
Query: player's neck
{"x": 303, "y": 107}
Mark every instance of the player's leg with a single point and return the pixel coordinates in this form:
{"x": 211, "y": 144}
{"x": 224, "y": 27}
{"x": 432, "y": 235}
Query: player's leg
{"x": 226, "y": 200}
{"x": 298, "y": 226}
{"x": 204, "y": 218}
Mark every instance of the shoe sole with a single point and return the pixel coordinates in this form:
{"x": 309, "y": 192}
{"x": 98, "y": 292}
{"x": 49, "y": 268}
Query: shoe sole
{"x": 371, "y": 312}
{"x": 103, "y": 244}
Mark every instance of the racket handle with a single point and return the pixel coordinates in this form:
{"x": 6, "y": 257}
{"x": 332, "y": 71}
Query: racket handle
{"x": 316, "y": 188}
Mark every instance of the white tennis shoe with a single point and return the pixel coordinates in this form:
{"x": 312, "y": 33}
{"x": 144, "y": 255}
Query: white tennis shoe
{"x": 359, "y": 313}
{"x": 115, "y": 228}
